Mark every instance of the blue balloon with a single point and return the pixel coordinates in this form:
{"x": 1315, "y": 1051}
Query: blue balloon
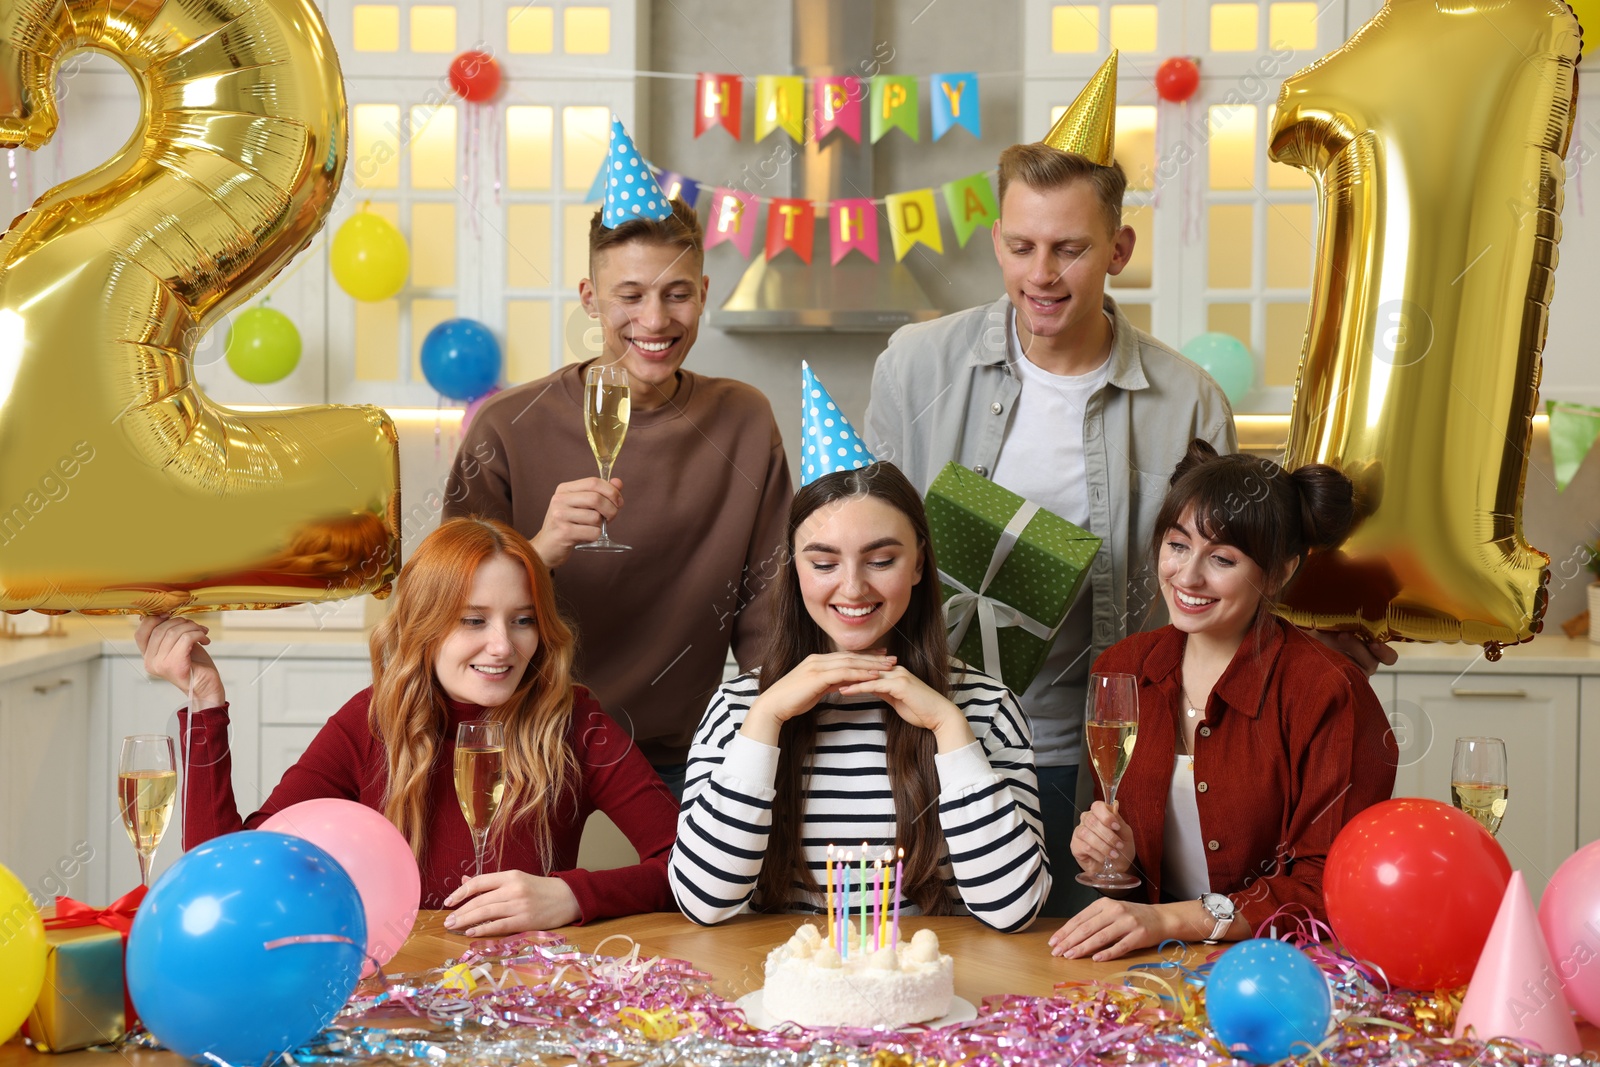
{"x": 1267, "y": 1000}
{"x": 461, "y": 359}
{"x": 1226, "y": 359}
{"x": 206, "y": 967}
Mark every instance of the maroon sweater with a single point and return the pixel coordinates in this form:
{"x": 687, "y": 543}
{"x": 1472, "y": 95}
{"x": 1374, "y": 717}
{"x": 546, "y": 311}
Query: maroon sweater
{"x": 347, "y": 762}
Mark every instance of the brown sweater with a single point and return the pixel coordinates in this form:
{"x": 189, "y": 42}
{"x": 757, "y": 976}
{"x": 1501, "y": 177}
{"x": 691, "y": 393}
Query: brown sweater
{"x": 706, "y": 490}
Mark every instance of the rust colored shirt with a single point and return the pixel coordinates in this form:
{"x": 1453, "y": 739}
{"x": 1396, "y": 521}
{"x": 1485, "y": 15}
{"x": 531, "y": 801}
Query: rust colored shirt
{"x": 1293, "y": 745}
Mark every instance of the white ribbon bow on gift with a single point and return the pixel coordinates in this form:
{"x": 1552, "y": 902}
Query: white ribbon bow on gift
{"x": 992, "y": 614}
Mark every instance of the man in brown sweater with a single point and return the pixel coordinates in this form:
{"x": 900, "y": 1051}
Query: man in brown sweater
{"x": 707, "y": 493}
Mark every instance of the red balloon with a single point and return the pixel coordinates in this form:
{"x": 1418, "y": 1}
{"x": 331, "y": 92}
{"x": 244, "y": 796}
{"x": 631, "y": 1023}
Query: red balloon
{"x": 475, "y": 76}
{"x": 1413, "y": 886}
{"x": 1177, "y": 79}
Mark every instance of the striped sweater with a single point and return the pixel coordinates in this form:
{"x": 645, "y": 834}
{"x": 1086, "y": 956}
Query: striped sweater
{"x": 994, "y": 863}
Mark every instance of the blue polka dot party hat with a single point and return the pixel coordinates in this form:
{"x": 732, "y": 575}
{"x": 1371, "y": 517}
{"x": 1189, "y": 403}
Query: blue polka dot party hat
{"x": 827, "y": 440}
{"x": 631, "y": 190}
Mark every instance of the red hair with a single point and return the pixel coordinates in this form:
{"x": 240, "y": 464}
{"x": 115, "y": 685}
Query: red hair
{"x": 410, "y": 711}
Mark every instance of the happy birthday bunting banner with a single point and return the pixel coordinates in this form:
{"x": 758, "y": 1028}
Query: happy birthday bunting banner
{"x": 838, "y": 107}
{"x": 955, "y": 103}
{"x": 853, "y": 227}
{"x": 733, "y": 218}
{"x": 913, "y": 219}
{"x": 1573, "y": 431}
{"x": 781, "y": 105}
{"x": 718, "y": 102}
{"x": 676, "y": 185}
{"x": 971, "y": 203}
{"x": 894, "y": 104}
{"x": 791, "y": 224}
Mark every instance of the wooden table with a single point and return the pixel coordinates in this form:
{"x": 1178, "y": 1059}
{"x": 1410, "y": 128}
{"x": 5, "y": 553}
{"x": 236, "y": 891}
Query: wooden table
{"x": 732, "y": 953}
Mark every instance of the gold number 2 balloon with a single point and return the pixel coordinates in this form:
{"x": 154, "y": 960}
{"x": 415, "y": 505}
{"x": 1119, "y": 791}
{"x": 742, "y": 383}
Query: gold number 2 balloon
{"x": 122, "y": 487}
{"x": 1436, "y": 137}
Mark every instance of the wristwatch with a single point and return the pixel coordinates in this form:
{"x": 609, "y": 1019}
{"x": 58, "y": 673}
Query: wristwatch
{"x": 1219, "y": 908}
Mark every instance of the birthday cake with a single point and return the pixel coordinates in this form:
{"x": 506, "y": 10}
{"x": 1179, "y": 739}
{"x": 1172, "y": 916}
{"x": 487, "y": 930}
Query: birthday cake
{"x": 809, "y": 983}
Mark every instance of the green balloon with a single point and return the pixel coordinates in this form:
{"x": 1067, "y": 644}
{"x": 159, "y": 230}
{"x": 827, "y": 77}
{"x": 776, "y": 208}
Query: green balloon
{"x": 263, "y": 346}
{"x": 1227, "y": 360}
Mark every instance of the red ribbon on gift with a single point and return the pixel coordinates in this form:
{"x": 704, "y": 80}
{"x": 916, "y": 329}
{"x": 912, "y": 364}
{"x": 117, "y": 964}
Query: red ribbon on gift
{"x": 73, "y": 914}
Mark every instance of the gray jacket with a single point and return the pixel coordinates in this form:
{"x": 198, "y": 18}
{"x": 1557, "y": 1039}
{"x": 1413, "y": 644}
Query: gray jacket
{"x": 944, "y": 390}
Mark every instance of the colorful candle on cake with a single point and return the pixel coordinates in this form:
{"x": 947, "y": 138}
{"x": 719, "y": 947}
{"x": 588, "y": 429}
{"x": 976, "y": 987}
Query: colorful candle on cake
{"x": 865, "y": 909}
{"x": 844, "y": 931}
{"x": 830, "y": 897}
{"x": 899, "y": 891}
{"x": 877, "y": 906}
{"x": 883, "y": 914}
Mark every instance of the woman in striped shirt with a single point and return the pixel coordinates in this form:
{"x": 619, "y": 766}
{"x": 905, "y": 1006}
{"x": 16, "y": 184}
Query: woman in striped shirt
{"x": 857, "y": 728}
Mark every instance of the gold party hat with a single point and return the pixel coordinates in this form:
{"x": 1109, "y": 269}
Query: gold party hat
{"x": 1089, "y": 127}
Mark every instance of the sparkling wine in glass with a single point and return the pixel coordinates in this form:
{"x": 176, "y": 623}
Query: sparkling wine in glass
{"x": 147, "y": 788}
{"x": 1110, "y": 729}
{"x": 1478, "y": 782}
{"x": 605, "y": 419}
{"x": 480, "y": 778}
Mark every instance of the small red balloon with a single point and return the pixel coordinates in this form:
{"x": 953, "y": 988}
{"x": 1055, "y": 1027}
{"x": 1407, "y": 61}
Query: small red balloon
{"x": 475, "y": 76}
{"x": 1413, "y": 885}
{"x": 1177, "y": 79}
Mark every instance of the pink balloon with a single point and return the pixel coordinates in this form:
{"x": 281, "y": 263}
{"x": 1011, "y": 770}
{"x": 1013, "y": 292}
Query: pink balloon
{"x": 376, "y": 857}
{"x": 1569, "y": 913}
{"x": 473, "y": 406}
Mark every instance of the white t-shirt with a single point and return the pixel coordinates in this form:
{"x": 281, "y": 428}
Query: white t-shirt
{"x": 1185, "y": 874}
{"x": 1042, "y": 460}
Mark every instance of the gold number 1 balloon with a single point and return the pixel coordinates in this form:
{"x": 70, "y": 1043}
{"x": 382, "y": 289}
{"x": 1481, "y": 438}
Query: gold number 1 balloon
{"x": 1436, "y": 137}
{"x": 122, "y": 487}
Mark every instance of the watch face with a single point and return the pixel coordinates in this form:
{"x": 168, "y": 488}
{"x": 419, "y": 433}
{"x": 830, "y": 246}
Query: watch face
{"x": 1220, "y": 906}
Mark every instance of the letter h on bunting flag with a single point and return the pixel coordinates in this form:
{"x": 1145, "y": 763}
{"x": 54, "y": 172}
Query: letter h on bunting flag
{"x": 718, "y": 101}
{"x": 853, "y": 226}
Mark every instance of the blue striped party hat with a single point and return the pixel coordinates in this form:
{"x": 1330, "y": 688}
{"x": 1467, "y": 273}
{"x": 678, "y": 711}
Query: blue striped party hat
{"x": 828, "y": 442}
{"x": 631, "y": 190}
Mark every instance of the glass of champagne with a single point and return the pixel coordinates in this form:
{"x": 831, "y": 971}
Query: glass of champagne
{"x": 605, "y": 419}
{"x": 1110, "y": 729}
{"x": 480, "y": 778}
{"x": 1478, "y": 782}
{"x": 147, "y": 788}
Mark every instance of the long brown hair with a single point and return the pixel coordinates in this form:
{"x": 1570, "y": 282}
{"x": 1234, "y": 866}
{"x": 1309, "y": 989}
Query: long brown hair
{"x": 918, "y": 641}
{"x": 410, "y": 711}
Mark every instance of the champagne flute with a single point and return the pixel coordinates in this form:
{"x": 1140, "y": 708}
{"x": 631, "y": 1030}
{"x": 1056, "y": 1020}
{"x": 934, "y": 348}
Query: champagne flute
{"x": 605, "y": 419}
{"x": 1110, "y": 729}
{"x": 480, "y": 778}
{"x": 147, "y": 788}
{"x": 1478, "y": 782}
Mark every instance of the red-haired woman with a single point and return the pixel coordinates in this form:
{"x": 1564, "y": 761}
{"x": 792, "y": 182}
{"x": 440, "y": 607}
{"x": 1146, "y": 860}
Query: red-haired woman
{"x": 474, "y": 634}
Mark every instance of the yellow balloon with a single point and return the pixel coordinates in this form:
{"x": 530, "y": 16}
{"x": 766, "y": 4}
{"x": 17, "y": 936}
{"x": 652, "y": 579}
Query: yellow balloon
{"x": 22, "y": 955}
{"x": 1436, "y": 137}
{"x": 369, "y": 257}
{"x": 122, "y": 487}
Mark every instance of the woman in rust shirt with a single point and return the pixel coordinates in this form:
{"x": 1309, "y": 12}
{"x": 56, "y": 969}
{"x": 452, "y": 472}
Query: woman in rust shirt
{"x": 1256, "y": 743}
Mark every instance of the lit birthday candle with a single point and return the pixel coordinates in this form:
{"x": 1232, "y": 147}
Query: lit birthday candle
{"x": 864, "y": 908}
{"x": 831, "y": 923}
{"x": 877, "y": 904}
{"x": 899, "y": 891}
{"x": 844, "y": 931}
{"x": 888, "y": 877}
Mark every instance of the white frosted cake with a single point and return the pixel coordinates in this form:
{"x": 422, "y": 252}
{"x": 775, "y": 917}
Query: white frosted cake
{"x": 809, "y": 984}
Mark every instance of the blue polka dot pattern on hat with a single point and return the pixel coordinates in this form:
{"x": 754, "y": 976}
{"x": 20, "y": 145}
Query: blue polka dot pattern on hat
{"x": 823, "y": 424}
{"x": 632, "y": 192}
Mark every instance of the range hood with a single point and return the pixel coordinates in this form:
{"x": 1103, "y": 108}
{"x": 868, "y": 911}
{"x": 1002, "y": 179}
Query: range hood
{"x": 857, "y": 296}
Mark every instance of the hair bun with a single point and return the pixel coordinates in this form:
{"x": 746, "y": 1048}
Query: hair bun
{"x": 1200, "y": 451}
{"x": 1327, "y": 504}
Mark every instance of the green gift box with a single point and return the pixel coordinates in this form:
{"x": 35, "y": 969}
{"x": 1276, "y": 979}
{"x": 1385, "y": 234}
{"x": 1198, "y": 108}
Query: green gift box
{"x": 1010, "y": 571}
{"x": 85, "y": 1000}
